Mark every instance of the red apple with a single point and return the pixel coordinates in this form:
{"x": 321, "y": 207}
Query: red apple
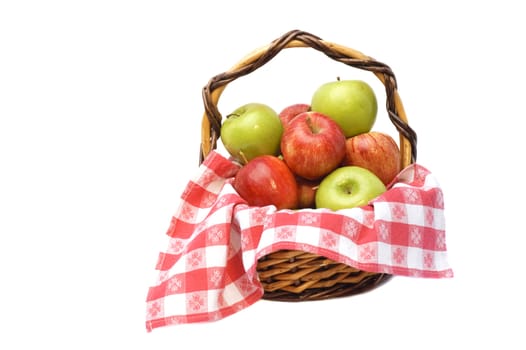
{"x": 292, "y": 111}
{"x": 307, "y": 192}
{"x": 267, "y": 180}
{"x": 313, "y": 145}
{"x": 375, "y": 151}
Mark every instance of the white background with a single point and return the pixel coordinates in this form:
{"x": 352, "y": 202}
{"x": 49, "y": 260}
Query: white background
{"x": 100, "y": 111}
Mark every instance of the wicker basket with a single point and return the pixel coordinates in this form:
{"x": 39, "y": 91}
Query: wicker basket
{"x": 290, "y": 275}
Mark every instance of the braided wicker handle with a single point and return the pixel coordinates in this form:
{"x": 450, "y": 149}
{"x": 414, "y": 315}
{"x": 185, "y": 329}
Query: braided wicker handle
{"x": 211, "y": 123}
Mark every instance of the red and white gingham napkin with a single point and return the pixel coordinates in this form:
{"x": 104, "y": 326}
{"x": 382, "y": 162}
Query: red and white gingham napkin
{"x": 215, "y": 239}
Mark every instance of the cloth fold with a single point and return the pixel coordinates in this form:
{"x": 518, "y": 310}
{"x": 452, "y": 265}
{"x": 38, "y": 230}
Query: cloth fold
{"x": 208, "y": 270}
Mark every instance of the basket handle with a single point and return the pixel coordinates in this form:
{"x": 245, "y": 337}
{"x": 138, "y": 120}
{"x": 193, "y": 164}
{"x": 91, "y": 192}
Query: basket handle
{"x": 211, "y": 123}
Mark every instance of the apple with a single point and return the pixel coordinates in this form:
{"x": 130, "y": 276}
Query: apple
{"x": 307, "y": 192}
{"x": 375, "y": 151}
{"x": 290, "y": 112}
{"x": 351, "y": 103}
{"x": 252, "y": 130}
{"x": 348, "y": 187}
{"x": 267, "y": 180}
{"x": 312, "y": 145}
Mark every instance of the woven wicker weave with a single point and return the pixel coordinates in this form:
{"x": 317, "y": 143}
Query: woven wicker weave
{"x": 290, "y": 275}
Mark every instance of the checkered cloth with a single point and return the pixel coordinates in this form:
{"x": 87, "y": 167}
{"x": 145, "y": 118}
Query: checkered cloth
{"x": 215, "y": 239}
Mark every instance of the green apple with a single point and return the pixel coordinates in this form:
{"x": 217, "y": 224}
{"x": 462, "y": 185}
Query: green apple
{"x": 351, "y": 103}
{"x": 252, "y": 130}
{"x": 348, "y": 187}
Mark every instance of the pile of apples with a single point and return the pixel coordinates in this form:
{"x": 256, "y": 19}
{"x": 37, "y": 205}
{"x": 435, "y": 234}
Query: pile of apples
{"x": 318, "y": 155}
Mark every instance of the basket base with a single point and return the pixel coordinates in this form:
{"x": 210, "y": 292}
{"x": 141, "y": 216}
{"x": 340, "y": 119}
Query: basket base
{"x": 290, "y": 275}
{"x": 337, "y": 291}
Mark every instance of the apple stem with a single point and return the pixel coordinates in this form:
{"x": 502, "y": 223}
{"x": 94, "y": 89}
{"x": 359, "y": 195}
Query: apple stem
{"x": 245, "y": 160}
{"x": 312, "y": 128}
